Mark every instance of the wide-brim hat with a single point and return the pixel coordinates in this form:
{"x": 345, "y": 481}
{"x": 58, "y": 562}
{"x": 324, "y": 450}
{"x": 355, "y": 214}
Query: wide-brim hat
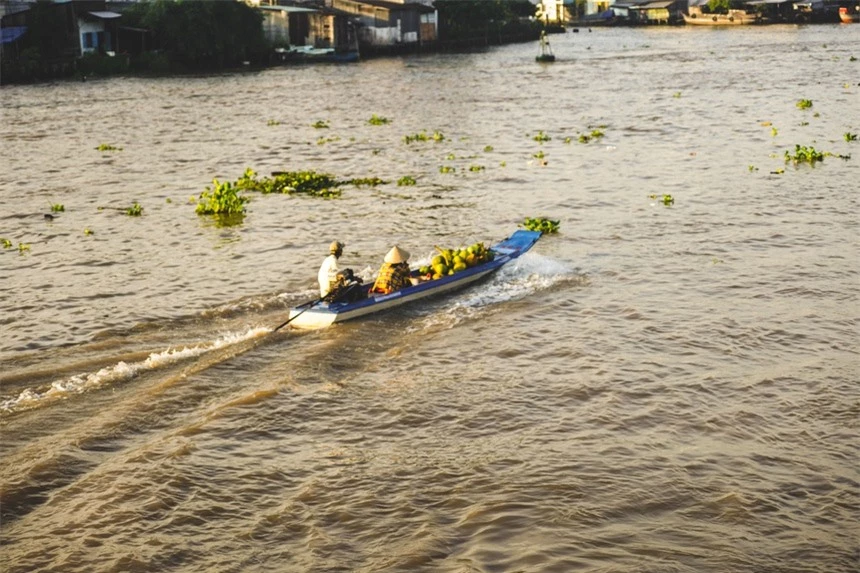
{"x": 336, "y": 246}
{"x": 396, "y": 255}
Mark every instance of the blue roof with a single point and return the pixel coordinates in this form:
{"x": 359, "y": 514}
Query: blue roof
{"x": 12, "y": 33}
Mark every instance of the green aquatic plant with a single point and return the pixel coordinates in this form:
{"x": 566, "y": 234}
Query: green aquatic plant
{"x": 57, "y": 208}
{"x": 378, "y": 120}
{"x": 135, "y": 210}
{"x": 676, "y": 94}
{"x": 23, "y": 248}
{"x": 596, "y": 133}
{"x": 850, "y": 136}
{"x": 88, "y": 231}
{"x": 324, "y": 140}
{"x": 476, "y": 168}
{"x": 752, "y": 168}
{"x": 666, "y": 199}
{"x": 488, "y": 148}
{"x": 541, "y": 137}
{"x": 437, "y": 136}
{"x": 539, "y": 155}
{"x": 7, "y": 244}
{"x": 367, "y": 181}
{"x": 583, "y": 138}
{"x": 272, "y": 122}
{"x": 541, "y": 224}
{"x": 321, "y": 124}
{"x": 108, "y": 147}
{"x": 221, "y": 199}
{"x": 568, "y": 139}
{"x": 447, "y": 169}
{"x": 773, "y": 132}
{"x": 450, "y": 157}
{"x": 804, "y": 104}
{"x": 406, "y": 181}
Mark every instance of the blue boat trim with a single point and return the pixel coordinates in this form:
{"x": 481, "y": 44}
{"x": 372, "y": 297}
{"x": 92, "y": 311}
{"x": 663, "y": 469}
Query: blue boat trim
{"x": 324, "y": 314}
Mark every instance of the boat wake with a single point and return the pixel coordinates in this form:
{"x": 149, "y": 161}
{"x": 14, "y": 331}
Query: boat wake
{"x": 525, "y": 276}
{"x": 119, "y": 372}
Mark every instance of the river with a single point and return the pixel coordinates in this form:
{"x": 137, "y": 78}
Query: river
{"x": 663, "y": 385}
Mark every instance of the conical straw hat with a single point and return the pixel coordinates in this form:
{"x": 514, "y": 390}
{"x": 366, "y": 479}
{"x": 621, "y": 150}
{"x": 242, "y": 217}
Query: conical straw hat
{"x": 396, "y": 255}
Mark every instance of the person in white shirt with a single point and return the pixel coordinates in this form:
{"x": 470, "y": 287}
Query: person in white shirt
{"x": 328, "y": 275}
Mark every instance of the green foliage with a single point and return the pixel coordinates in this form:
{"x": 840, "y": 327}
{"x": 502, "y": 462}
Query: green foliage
{"x": 57, "y": 208}
{"x": 723, "y": 6}
{"x": 201, "y": 35}
{"x": 23, "y": 248}
{"x": 273, "y": 122}
{"x": 541, "y": 224}
{"x": 485, "y": 21}
{"x": 378, "y": 120}
{"x": 850, "y": 136}
{"x": 135, "y": 210}
{"x": 88, "y": 231}
{"x": 406, "y": 181}
{"x": 108, "y": 147}
{"x": 476, "y": 168}
{"x": 221, "y": 199}
{"x": 7, "y": 244}
{"x": 447, "y": 169}
{"x": 320, "y": 124}
{"x": 367, "y": 181}
{"x": 488, "y": 148}
{"x": 541, "y": 137}
{"x": 437, "y": 137}
{"x": 803, "y": 154}
{"x": 539, "y": 155}
{"x": 666, "y": 199}
{"x": 804, "y": 104}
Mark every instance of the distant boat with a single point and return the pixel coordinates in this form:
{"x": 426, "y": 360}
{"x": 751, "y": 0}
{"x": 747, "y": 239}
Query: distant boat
{"x": 546, "y": 54}
{"x": 311, "y": 54}
{"x": 734, "y": 18}
{"x": 847, "y": 16}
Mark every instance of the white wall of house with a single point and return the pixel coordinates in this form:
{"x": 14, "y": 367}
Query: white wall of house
{"x": 89, "y": 35}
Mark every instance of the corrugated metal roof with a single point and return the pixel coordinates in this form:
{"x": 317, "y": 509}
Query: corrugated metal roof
{"x": 105, "y": 15}
{"x": 289, "y": 9}
{"x": 660, "y": 4}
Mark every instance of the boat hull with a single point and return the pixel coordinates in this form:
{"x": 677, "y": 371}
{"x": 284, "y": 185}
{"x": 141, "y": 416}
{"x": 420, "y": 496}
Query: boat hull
{"x": 846, "y": 16}
{"x": 325, "y": 314}
{"x": 733, "y": 18}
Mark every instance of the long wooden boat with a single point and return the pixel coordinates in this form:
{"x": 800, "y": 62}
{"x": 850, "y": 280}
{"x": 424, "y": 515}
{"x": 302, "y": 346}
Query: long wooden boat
{"x": 734, "y": 18}
{"x": 321, "y": 314}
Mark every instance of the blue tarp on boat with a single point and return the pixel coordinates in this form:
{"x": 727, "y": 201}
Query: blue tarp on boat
{"x": 12, "y": 33}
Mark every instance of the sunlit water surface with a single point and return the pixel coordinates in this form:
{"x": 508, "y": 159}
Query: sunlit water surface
{"x": 654, "y": 388}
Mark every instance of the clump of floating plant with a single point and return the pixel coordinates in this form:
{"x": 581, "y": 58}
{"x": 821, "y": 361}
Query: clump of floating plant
{"x": 378, "y": 120}
{"x": 804, "y": 154}
{"x": 23, "y": 248}
{"x": 587, "y": 137}
{"x": 541, "y": 224}
{"x": 367, "y": 181}
{"x": 447, "y": 169}
{"x": 850, "y": 136}
{"x": 135, "y": 210}
{"x": 272, "y": 122}
{"x": 539, "y": 155}
{"x": 541, "y": 137}
{"x": 676, "y": 95}
{"x": 666, "y": 199}
{"x": 320, "y": 124}
{"x": 88, "y": 231}
{"x": 57, "y": 208}
{"x": 406, "y": 181}
{"x": 437, "y": 136}
{"x": 221, "y": 199}
{"x": 108, "y": 147}
{"x": 488, "y": 148}
{"x": 476, "y": 168}
{"x": 324, "y": 140}
{"x": 773, "y": 132}
{"x": 7, "y": 244}
{"x": 804, "y": 104}
{"x": 752, "y": 168}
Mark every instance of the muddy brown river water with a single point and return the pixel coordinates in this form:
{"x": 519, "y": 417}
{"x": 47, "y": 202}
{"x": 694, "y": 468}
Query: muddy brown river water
{"x": 654, "y": 388}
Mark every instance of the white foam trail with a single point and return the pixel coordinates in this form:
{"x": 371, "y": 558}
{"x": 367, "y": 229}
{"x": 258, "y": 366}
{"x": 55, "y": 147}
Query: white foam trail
{"x": 120, "y": 372}
{"x": 523, "y": 277}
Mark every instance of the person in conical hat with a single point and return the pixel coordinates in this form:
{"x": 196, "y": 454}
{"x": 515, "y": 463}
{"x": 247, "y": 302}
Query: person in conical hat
{"x": 394, "y": 274}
